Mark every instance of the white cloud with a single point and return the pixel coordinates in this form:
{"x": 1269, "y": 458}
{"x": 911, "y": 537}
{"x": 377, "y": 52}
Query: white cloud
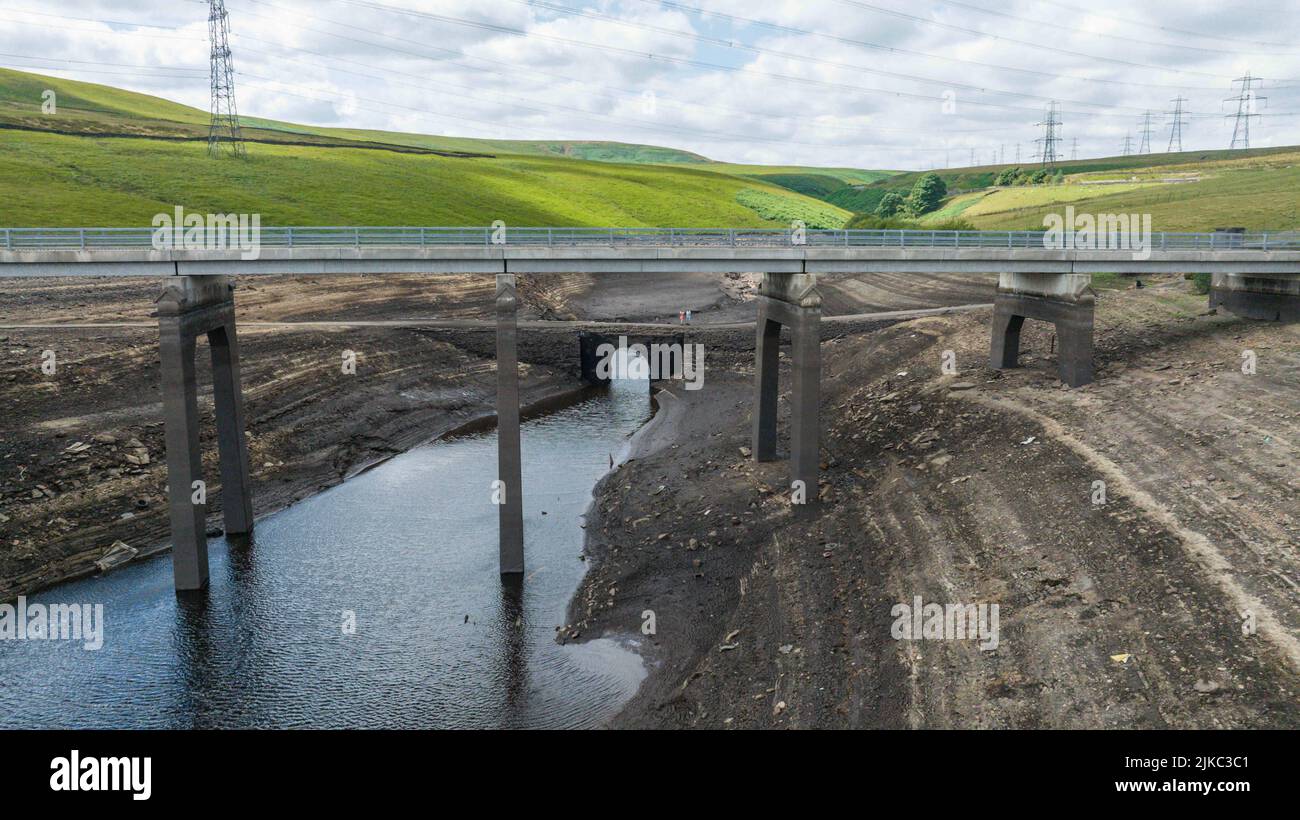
{"x": 376, "y": 68}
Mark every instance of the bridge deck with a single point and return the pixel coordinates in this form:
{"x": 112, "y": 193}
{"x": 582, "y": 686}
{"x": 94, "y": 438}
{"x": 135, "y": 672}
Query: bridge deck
{"x": 281, "y": 250}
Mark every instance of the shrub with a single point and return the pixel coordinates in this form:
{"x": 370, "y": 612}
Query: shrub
{"x": 927, "y": 195}
{"x": 871, "y": 222}
{"x": 890, "y": 205}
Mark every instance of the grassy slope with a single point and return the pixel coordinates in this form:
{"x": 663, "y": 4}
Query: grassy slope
{"x": 1257, "y": 189}
{"x": 90, "y": 176}
{"x": 105, "y": 107}
{"x": 58, "y": 180}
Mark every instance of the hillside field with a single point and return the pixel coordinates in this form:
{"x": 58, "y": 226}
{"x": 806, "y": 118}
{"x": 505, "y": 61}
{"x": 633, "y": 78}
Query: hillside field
{"x": 1258, "y": 189}
{"x": 112, "y": 158}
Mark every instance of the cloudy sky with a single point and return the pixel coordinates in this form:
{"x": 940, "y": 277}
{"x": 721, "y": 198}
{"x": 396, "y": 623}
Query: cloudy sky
{"x": 862, "y": 83}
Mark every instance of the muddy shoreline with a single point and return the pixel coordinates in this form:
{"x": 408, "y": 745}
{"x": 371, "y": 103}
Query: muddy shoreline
{"x": 973, "y": 488}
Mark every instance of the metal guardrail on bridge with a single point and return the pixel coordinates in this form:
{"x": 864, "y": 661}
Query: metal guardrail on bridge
{"x": 53, "y": 239}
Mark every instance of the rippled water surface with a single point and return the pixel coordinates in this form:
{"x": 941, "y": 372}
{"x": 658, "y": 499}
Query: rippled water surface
{"x": 411, "y": 548}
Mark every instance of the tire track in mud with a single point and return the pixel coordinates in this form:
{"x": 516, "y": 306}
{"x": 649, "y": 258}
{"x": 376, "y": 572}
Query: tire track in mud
{"x": 1198, "y": 547}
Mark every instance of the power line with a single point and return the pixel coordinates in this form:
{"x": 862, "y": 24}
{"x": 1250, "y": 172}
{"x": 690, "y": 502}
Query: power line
{"x": 224, "y": 126}
{"x": 1247, "y": 102}
{"x": 1051, "y": 135}
{"x": 1128, "y": 145}
{"x": 1073, "y": 8}
{"x": 1058, "y": 26}
{"x": 749, "y": 21}
{"x": 1145, "y": 147}
{"x": 1176, "y": 125}
{"x": 947, "y": 84}
{"x": 1054, "y": 48}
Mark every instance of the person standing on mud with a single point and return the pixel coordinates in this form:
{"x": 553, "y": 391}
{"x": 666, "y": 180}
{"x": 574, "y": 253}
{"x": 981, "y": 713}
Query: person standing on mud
{"x": 688, "y": 317}
{"x": 681, "y": 317}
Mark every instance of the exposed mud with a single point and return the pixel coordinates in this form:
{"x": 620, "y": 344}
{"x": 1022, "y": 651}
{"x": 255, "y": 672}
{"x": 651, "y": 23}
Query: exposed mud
{"x": 977, "y": 488}
{"x": 973, "y": 488}
{"x": 81, "y": 450}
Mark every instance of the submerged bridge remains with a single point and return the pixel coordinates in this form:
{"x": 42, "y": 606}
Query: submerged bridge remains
{"x": 1255, "y": 275}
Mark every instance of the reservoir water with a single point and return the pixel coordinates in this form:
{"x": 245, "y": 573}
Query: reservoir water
{"x": 407, "y": 549}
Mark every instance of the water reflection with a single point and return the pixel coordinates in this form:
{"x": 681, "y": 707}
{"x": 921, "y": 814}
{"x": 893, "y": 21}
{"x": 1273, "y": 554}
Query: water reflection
{"x": 407, "y": 549}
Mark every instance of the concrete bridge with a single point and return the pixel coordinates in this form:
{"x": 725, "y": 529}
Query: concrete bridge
{"x": 1255, "y": 275}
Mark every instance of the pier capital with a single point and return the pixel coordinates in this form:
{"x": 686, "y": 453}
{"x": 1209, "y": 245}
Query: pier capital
{"x": 798, "y": 289}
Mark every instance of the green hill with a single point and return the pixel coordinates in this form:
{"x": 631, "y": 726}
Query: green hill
{"x": 1257, "y": 189}
{"x": 110, "y": 157}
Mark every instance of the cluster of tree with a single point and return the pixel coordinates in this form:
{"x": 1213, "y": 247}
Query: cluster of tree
{"x": 926, "y": 196}
{"x": 1039, "y": 176}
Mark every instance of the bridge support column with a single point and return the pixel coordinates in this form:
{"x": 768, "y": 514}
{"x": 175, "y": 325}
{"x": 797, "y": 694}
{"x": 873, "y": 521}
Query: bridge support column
{"x": 790, "y": 299}
{"x": 1274, "y": 297}
{"x": 190, "y": 306}
{"x": 509, "y": 458}
{"x": 1065, "y": 300}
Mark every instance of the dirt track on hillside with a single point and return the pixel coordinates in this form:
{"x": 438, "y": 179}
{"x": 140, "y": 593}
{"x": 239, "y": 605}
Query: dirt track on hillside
{"x": 1128, "y": 614}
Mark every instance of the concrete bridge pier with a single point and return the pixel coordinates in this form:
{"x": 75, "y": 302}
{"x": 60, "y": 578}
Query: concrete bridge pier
{"x": 509, "y": 458}
{"x": 1065, "y": 300}
{"x": 190, "y": 306}
{"x": 790, "y": 299}
{"x": 1274, "y": 297}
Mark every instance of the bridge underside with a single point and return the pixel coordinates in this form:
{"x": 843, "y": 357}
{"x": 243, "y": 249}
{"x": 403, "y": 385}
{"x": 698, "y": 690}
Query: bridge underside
{"x": 1269, "y": 297}
{"x": 192, "y": 305}
{"x": 505, "y": 259}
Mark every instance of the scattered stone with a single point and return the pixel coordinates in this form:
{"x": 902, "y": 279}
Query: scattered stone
{"x": 745, "y": 452}
{"x": 118, "y": 554}
{"x": 1205, "y": 687}
{"x": 104, "y": 438}
{"x": 962, "y": 386}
